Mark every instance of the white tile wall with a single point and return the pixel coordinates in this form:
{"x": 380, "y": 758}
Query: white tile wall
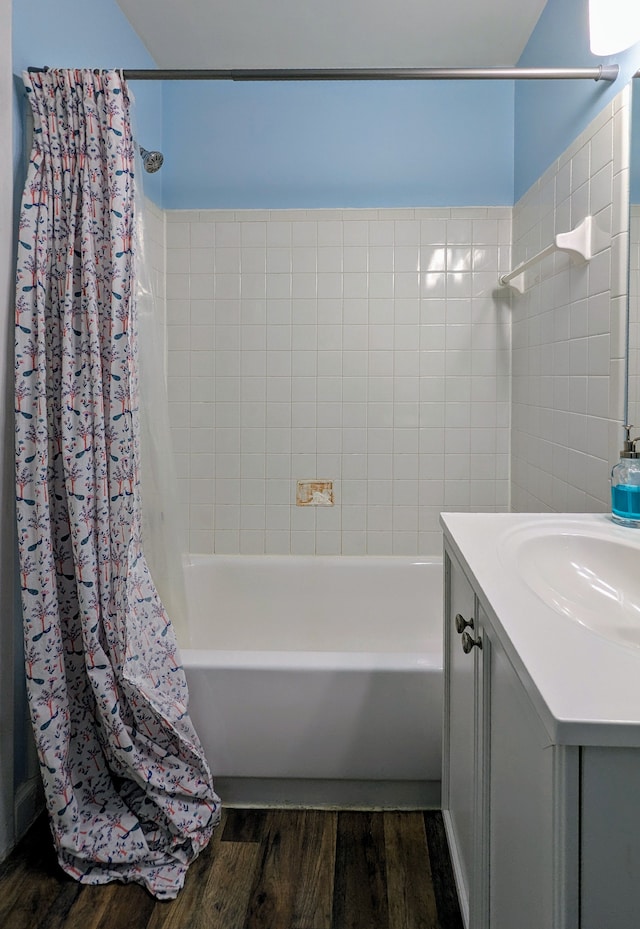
{"x": 569, "y": 326}
{"x": 366, "y": 347}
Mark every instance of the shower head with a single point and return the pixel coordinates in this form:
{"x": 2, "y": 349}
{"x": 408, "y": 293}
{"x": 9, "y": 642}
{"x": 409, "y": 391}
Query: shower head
{"x": 152, "y": 161}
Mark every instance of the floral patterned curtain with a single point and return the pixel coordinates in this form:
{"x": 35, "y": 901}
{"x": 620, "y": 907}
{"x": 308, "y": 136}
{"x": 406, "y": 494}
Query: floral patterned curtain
{"x": 128, "y": 790}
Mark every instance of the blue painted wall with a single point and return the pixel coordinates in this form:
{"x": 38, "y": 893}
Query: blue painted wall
{"x": 384, "y": 144}
{"x": 275, "y": 145}
{"x": 333, "y": 144}
{"x": 550, "y": 114}
{"x": 82, "y": 34}
{"x": 326, "y": 144}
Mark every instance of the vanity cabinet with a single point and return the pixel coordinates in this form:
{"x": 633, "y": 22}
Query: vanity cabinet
{"x": 541, "y": 766}
{"x": 510, "y": 815}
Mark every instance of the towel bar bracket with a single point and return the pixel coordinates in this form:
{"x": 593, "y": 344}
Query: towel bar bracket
{"x": 579, "y": 244}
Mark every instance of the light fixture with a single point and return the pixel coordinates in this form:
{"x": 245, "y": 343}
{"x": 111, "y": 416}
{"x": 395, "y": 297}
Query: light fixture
{"x": 613, "y": 25}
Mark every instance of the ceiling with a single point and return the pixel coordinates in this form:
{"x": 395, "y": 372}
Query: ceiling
{"x": 333, "y": 33}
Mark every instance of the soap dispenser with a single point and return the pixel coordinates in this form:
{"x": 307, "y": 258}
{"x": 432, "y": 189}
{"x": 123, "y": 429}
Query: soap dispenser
{"x": 625, "y": 484}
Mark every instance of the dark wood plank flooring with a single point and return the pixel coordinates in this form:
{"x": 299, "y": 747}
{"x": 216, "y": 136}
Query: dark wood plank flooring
{"x": 264, "y": 869}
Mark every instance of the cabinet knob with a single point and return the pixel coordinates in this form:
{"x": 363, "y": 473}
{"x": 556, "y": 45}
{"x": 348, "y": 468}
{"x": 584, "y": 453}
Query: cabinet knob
{"x": 468, "y": 643}
{"x": 462, "y": 623}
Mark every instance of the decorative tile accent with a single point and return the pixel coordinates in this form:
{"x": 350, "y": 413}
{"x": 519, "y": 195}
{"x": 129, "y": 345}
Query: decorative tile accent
{"x": 314, "y": 493}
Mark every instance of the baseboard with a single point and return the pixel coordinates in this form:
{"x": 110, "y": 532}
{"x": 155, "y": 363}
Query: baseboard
{"x": 463, "y": 897}
{"x": 307, "y": 793}
{"x": 28, "y": 805}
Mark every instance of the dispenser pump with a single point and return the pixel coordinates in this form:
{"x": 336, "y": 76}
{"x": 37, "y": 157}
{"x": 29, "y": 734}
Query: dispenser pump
{"x": 625, "y": 484}
{"x": 628, "y": 449}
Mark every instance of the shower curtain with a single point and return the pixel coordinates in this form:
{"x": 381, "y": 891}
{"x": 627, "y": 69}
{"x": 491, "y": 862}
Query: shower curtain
{"x": 128, "y": 790}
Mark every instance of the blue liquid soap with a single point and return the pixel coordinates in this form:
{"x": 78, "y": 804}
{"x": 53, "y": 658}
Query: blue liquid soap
{"x": 625, "y": 503}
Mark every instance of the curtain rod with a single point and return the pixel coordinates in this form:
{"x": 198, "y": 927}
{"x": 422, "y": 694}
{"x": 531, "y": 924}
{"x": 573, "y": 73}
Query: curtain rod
{"x": 607, "y": 72}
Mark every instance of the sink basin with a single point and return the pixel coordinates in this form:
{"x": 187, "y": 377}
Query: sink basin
{"x": 592, "y": 577}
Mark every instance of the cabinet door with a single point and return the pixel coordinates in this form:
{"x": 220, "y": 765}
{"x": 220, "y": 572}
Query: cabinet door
{"x": 610, "y": 850}
{"x": 459, "y": 734}
{"x": 530, "y": 790}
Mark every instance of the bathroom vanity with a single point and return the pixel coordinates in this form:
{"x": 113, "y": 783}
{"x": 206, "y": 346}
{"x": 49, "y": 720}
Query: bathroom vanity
{"x": 541, "y": 767}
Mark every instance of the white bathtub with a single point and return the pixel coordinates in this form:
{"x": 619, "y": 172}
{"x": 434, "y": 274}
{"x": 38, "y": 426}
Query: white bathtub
{"x": 317, "y": 680}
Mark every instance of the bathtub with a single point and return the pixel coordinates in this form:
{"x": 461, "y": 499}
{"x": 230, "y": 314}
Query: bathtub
{"x": 317, "y": 680}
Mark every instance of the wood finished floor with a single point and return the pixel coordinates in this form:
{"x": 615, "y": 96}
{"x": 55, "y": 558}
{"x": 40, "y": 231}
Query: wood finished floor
{"x": 264, "y": 869}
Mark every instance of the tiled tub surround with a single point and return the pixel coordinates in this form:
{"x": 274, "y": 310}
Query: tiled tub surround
{"x": 368, "y": 348}
{"x": 569, "y": 327}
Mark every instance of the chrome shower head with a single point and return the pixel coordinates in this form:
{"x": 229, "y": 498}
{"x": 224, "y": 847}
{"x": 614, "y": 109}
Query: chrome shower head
{"x": 152, "y": 161}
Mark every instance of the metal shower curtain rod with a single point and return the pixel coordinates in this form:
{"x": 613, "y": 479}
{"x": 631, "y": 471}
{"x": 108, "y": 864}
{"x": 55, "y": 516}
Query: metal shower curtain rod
{"x": 607, "y": 72}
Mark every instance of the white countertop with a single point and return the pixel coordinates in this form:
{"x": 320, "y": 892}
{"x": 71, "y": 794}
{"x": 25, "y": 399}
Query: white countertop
{"x": 585, "y": 687}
